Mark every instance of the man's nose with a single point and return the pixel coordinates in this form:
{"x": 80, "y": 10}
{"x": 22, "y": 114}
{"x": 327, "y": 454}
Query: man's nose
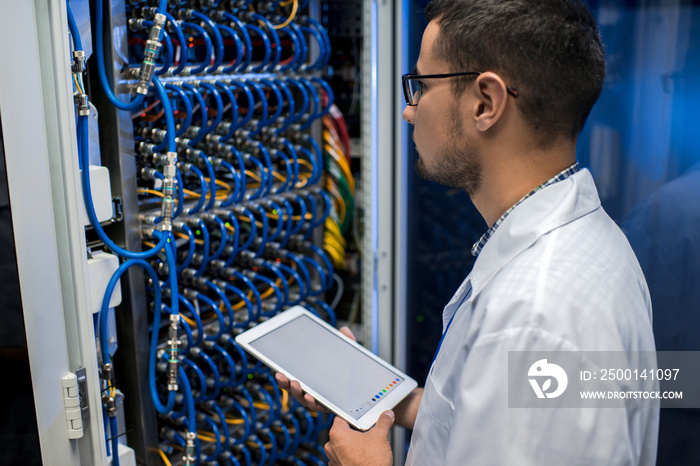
{"x": 408, "y": 113}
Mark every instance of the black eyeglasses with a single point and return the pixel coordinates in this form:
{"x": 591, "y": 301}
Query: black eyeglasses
{"x": 413, "y": 86}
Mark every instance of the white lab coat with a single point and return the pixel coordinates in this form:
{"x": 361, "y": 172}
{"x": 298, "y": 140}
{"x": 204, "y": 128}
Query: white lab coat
{"x": 558, "y": 274}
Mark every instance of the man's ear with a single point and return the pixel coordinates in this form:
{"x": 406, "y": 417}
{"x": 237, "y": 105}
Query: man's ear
{"x": 491, "y": 99}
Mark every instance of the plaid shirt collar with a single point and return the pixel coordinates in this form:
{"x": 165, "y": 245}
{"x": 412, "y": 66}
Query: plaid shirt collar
{"x": 561, "y": 176}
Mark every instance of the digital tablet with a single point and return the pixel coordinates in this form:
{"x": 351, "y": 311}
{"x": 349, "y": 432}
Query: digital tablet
{"x": 343, "y": 376}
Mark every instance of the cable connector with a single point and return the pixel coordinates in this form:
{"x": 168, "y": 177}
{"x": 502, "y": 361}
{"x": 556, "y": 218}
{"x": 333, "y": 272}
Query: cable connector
{"x": 78, "y": 64}
{"x": 168, "y": 205}
{"x": 174, "y": 353}
{"x": 189, "y": 458}
{"x": 107, "y": 373}
{"x": 153, "y": 45}
{"x": 110, "y": 405}
{"x": 81, "y": 100}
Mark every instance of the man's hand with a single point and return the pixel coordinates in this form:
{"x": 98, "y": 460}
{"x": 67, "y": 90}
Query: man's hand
{"x": 293, "y": 387}
{"x": 348, "y": 447}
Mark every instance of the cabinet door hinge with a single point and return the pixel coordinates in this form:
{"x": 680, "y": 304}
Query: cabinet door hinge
{"x": 74, "y": 386}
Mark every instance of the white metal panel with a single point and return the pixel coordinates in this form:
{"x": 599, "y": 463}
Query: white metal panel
{"x": 40, "y": 143}
{"x": 59, "y": 114}
{"x": 29, "y": 186}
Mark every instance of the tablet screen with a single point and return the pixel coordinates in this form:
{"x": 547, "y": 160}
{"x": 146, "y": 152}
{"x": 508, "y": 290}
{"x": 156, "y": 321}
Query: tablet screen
{"x": 350, "y": 379}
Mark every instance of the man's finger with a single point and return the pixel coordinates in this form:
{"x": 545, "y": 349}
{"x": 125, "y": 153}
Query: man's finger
{"x": 384, "y": 423}
{"x": 282, "y": 380}
{"x": 339, "y": 425}
{"x": 348, "y": 333}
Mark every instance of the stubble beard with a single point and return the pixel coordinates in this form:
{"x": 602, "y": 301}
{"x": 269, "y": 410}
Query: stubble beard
{"x": 458, "y": 166}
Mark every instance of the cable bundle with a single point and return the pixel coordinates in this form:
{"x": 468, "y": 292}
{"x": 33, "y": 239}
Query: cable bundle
{"x": 230, "y": 197}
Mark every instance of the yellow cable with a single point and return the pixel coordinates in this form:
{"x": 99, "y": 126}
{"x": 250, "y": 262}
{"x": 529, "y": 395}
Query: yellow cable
{"x": 165, "y": 458}
{"x": 306, "y": 163}
{"x": 149, "y": 244}
{"x": 149, "y": 191}
{"x": 188, "y": 320}
{"x": 196, "y": 241}
{"x": 295, "y": 6}
{"x": 279, "y": 177}
{"x": 253, "y": 175}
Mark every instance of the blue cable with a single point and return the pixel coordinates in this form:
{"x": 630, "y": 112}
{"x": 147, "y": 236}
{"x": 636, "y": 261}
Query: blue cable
{"x": 207, "y": 44}
{"x": 305, "y": 100}
{"x": 253, "y": 228}
{"x": 233, "y": 197}
{"x": 223, "y": 240}
{"x": 188, "y": 108}
{"x": 263, "y": 177}
{"x": 275, "y": 39}
{"x": 182, "y": 62}
{"x": 90, "y": 208}
{"x": 303, "y": 46}
{"x": 290, "y": 106}
{"x": 279, "y": 101}
{"x": 326, "y": 308}
{"x": 297, "y": 51}
{"x": 203, "y": 113}
{"x": 268, "y": 49}
{"x": 315, "y": 171}
{"x": 115, "y": 440}
{"x": 264, "y": 231}
{"x": 219, "y": 107}
{"x": 195, "y": 315}
{"x": 99, "y": 50}
{"x": 324, "y": 36}
{"x": 169, "y": 118}
{"x": 218, "y": 42}
{"x": 217, "y": 438}
{"x": 224, "y": 300}
{"x": 290, "y": 223}
{"x": 206, "y": 247}
{"x": 279, "y": 225}
{"x": 251, "y": 103}
{"x": 212, "y": 405}
{"x": 329, "y": 93}
{"x": 240, "y": 26}
{"x": 276, "y": 270}
{"x": 73, "y": 28}
{"x": 276, "y": 291}
{"x": 249, "y": 305}
{"x": 235, "y": 63}
{"x": 216, "y": 375}
{"x": 264, "y": 108}
{"x": 234, "y": 112}
{"x": 229, "y": 362}
{"x": 321, "y": 276}
{"x": 168, "y": 54}
{"x": 219, "y": 315}
{"x": 186, "y": 362}
{"x": 268, "y": 164}
{"x": 253, "y": 289}
{"x": 202, "y": 190}
{"x": 236, "y": 238}
{"x": 191, "y": 247}
{"x": 329, "y": 266}
{"x": 302, "y": 214}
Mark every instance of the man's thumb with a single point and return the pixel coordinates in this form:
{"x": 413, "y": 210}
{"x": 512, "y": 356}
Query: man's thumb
{"x": 386, "y": 420}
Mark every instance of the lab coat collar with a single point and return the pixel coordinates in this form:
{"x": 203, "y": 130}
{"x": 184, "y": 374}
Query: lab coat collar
{"x": 548, "y": 209}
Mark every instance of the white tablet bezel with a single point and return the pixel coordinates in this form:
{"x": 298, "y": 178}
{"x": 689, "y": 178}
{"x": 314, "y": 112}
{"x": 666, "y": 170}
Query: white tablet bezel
{"x": 367, "y": 420}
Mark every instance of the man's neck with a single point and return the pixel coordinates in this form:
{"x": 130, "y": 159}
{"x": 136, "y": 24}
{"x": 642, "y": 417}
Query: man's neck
{"x": 509, "y": 177}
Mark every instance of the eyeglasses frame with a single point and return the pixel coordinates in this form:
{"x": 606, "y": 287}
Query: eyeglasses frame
{"x": 410, "y": 77}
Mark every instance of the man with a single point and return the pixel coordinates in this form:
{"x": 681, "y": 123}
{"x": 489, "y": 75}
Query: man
{"x": 501, "y": 91}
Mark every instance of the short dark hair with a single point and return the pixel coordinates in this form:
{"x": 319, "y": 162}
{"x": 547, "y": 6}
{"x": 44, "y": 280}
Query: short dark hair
{"x": 549, "y": 50}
